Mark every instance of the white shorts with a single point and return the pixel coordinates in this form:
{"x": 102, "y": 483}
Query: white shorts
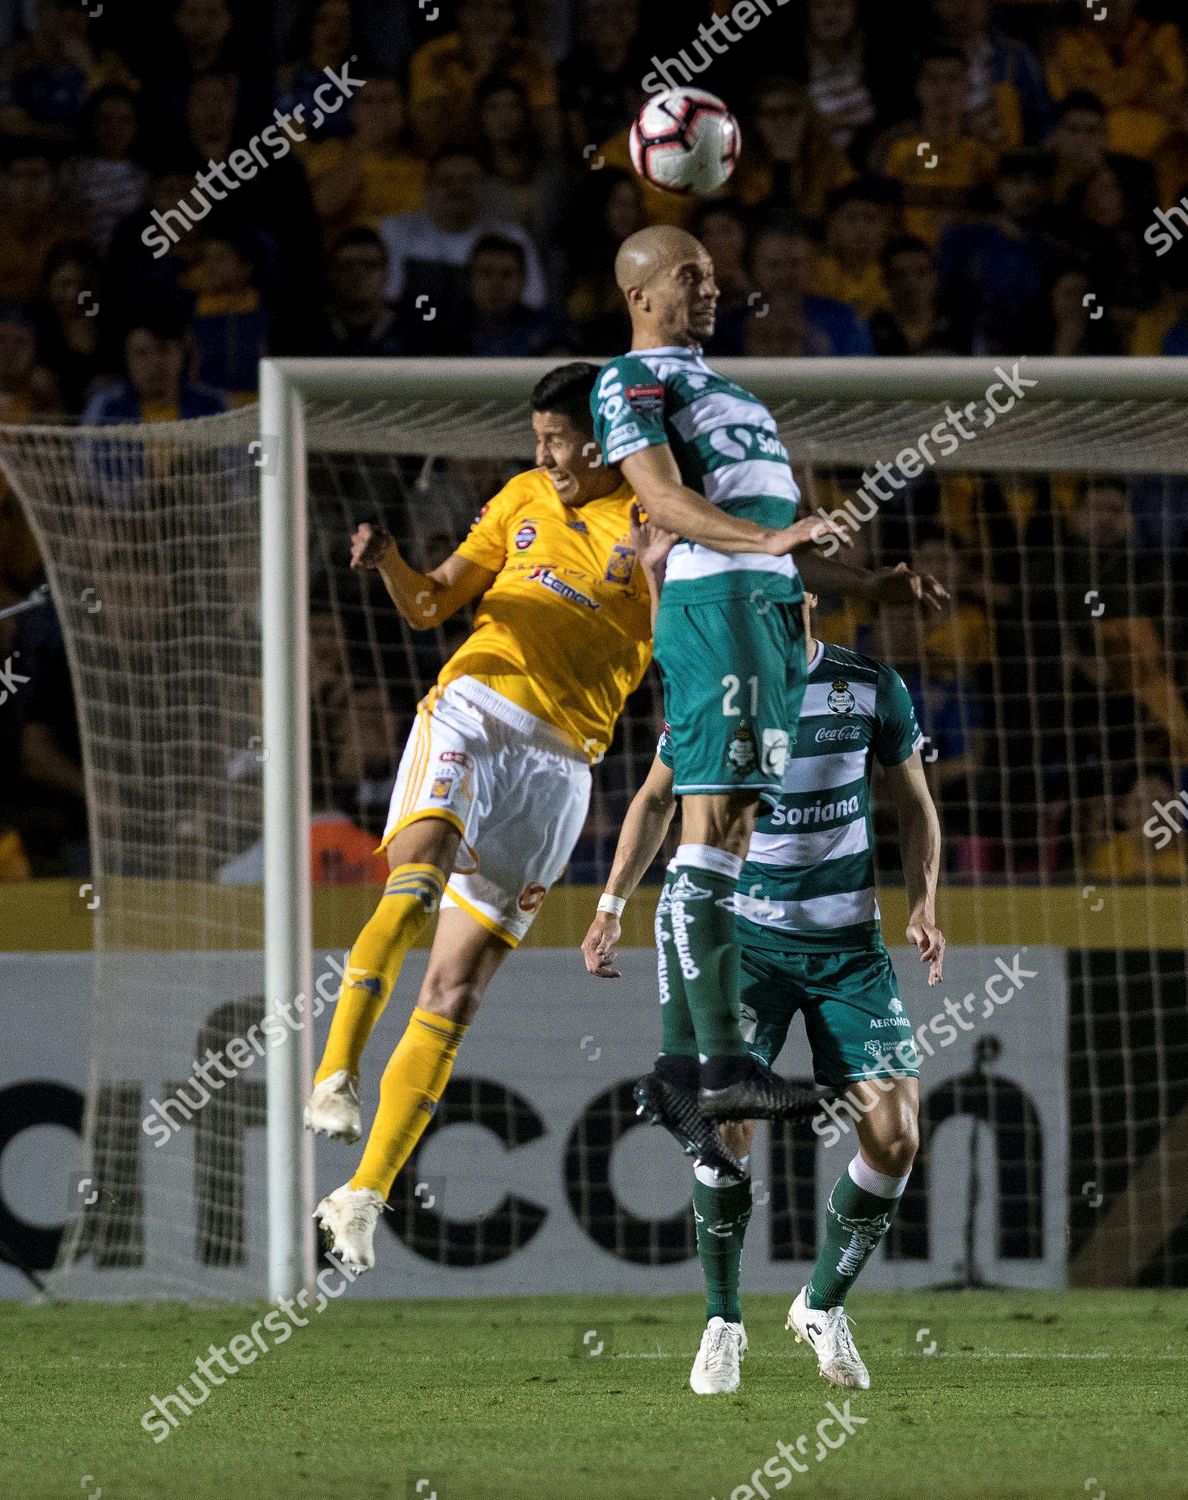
{"x": 512, "y": 786}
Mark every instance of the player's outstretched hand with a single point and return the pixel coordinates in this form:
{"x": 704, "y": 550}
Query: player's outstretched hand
{"x": 599, "y": 944}
{"x": 368, "y": 544}
{"x": 801, "y": 533}
{"x": 652, "y": 543}
{"x": 900, "y": 585}
{"x": 930, "y": 943}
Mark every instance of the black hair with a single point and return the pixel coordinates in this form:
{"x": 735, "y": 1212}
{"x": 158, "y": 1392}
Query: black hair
{"x": 566, "y": 391}
{"x": 904, "y": 244}
{"x": 940, "y": 53}
{"x": 358, "y": 234}
{"x": 502, "y": 245}
{"x": 1080, "y": 99}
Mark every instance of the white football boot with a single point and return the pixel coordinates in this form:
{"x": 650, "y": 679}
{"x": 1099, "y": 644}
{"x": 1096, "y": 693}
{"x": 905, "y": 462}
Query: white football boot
{"x": 333, "y": 1108}
{"x": 349, "y": 1215}
{"x": 827, "y": 1333}
{"x": 715, "y": 1370}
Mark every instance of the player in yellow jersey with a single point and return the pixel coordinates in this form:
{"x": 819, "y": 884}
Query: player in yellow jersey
{"x": 494, "y": 783}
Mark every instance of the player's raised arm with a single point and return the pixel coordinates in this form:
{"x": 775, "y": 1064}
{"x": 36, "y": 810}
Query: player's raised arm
{"x": 919, "y": 844}
{"x": 823, "y": 574}
{"x": 653, "y": 474}
{"x": 422, "y": 599}
{"x": 642, "y": 834}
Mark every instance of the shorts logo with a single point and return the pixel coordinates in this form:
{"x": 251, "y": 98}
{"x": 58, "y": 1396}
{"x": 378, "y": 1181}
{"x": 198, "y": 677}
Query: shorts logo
{"x": 646, "y": 398}
{"x": 740, "y": 753}
{"x": 454, "y": 758}
{"x": 895, "y": 1006}
{"x": 531, "y": 897}
{"x": 775, "y": 751}
{"x": 621, "y": 565}
{"x": 549, "y": 580}
{"x": 442, "y": 787}
{"x": 841, "y": 699}
{"x": 525, "y": 536}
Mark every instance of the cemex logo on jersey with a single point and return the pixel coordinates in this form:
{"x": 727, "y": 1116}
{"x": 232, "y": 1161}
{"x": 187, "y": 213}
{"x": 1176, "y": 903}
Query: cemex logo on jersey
{"x": 525, "y": 536}
{"x": 646, "y": 398}
{"x": 549, "y": 580}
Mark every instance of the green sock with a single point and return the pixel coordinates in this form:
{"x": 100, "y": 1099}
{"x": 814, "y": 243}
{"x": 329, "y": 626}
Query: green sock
{"x": 721, "y": 1214}
{"x": 855, "y": 1221}
{"x": 706, "y": 947}
{"x": 677, "y": 1037}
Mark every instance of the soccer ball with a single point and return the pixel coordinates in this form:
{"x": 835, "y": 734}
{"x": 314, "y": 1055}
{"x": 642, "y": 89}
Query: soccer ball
{"x": 685, "y": 141}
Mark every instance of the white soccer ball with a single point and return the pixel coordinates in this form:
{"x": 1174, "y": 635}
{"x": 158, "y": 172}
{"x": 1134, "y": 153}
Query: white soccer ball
{"x": 685, "y": 141}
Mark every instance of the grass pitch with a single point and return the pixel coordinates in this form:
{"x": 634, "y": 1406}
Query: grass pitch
{"x": 1025, "y": 1397}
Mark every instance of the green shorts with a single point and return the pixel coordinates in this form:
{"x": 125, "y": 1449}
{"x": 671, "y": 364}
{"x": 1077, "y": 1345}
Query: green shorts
{"x": 734, "y": 675}
{"x": 856, "y": 1024}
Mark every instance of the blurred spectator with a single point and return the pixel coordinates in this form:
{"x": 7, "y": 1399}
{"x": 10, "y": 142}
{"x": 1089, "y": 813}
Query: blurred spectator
{"x": 598, "y": 77}
{"x": 31, "y": 221}
{"x": 373, "y": 174}
{"x": 940, "y": 164}
{"x": 858, "y": 223}
{"x": 106, "y": 178}
{"x": 230, "y": 325}
{"x": 1007, "y": 103}
{"x": 995, "y": 275}
{"x": 200, "y": 40}
{"x": 429, "y": 248}
{"x": 1079, "y": 145}
{"x": 851, "y": 73}
{"x": 1128, "y": 853}
{"x": 14, "y": 862}
{"x": 445, "y": 75}
{"x": 526, "y": 181}
{"x": 595, "y": 303}
{"x": 498, "y": 324}
{"x": 1072, "y": 326}
{"x": 911, "y": 322}
{"x": 71, "y": 318}
{"x": 321, "y": 42}
{"x": 1159, "y": 328}
{"x": 1120, "y": 649}
{"x": 359, "y": 318}
{"x": 1136, "y": 68}
{"x": 48, "y": 76}
{"x": 782, "y": 271}
{"x": 788, "y": 161}
{"x": 158, "y": 351}
{"x": 27, "y": 389}
{"x": 721, "y": 228}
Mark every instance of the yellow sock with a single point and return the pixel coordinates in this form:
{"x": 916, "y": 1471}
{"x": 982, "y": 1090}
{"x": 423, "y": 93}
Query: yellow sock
{"x": 410, "y": 898}
{"x": 413, "y": 1082}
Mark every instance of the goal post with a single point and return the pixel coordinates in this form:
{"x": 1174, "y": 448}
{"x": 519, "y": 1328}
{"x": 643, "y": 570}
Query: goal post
{"x": 238, "y": 675}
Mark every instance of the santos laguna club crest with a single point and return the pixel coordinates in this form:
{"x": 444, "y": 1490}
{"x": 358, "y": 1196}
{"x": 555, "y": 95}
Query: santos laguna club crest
{"x": 841, "y": 699}
{"x": 741, "y": 754}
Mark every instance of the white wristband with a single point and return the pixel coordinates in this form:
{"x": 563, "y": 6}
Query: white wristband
{"x": 612, "y": 905}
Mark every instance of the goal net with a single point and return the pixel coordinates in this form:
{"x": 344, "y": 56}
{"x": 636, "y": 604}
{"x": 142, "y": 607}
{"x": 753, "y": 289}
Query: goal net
{"x": 1052, "y": 695}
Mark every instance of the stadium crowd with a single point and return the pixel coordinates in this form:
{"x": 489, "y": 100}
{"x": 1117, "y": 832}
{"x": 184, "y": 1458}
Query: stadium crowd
{"x": 940, "y": 176}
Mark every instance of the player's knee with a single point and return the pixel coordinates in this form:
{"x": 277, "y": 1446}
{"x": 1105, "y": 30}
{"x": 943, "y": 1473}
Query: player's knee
{"x": 893, "y": 1151}
{"x": 457, "y": 998}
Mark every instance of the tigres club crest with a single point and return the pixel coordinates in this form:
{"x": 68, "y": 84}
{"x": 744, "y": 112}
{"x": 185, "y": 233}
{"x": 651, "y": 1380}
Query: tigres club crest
{"x": 841, "y": 699}
{"x": 741, "y": 755}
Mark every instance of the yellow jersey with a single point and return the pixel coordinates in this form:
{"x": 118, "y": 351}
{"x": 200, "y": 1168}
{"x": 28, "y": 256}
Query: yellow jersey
{"x": 564, "y": 631}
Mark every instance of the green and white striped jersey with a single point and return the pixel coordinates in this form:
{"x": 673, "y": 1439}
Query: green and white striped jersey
{"x": 808, "y": 881}
{"x": 726, "y": 447}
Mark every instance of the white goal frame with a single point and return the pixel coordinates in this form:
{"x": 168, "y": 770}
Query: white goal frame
{"x": 286, "y": 387}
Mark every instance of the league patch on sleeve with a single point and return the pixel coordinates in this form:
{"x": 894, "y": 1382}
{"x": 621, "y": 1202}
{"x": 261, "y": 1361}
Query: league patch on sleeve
{"x": 645, "y": 398}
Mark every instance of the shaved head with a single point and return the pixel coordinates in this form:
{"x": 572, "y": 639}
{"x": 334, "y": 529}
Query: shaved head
{"x": 649, "y": 252}
{"x": 667, "y": 279}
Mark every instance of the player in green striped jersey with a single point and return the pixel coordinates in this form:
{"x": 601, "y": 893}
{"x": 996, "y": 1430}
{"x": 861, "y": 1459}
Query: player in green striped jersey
{"x": 808, "y": 923}
{"x": 705, "y": 458}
